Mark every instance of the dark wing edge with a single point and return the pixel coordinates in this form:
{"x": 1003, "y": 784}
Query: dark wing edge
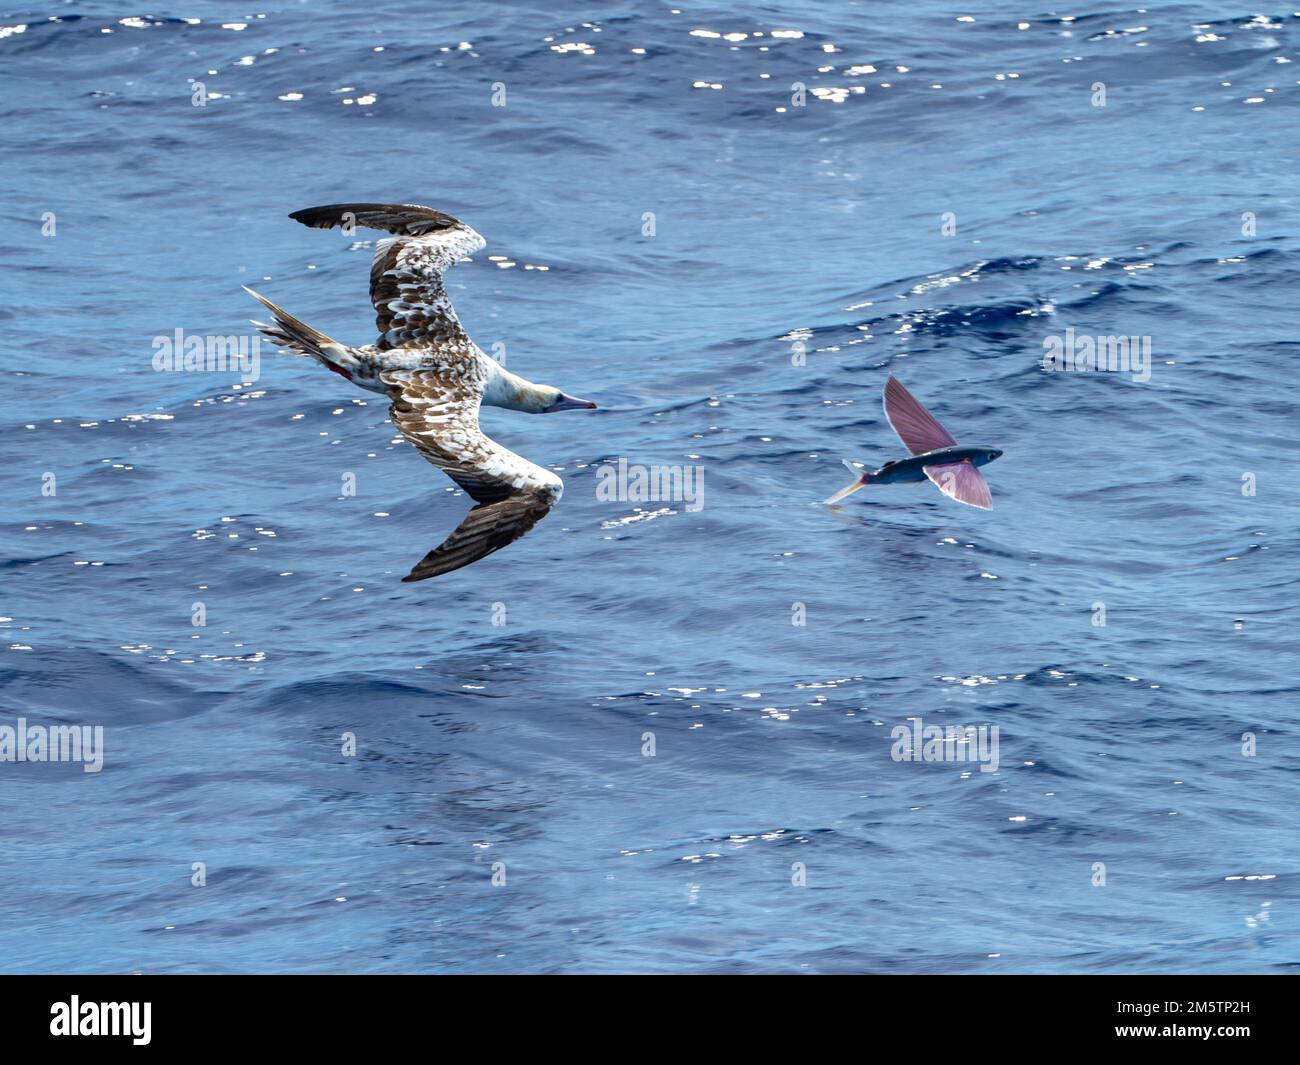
{"x": 485, "y": 529}
{"x": 404, "y": 219}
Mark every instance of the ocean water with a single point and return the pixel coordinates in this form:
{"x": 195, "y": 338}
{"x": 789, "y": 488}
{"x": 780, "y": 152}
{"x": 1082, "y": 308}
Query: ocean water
{"x": 648, "y": 737}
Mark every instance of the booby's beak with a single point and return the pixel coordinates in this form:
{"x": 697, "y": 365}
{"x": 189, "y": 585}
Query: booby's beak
{"x": 569, "y": 403}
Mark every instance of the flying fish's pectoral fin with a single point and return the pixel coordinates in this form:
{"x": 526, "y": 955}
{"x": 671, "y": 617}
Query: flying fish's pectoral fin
{"x": 915, "y": 426}
{"x": 963, "y": 482}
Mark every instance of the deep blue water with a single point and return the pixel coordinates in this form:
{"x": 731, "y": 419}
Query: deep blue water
{"x": 774, "y": 225}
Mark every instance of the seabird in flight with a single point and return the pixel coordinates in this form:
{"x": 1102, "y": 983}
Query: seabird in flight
{"x": 435, "y": 376}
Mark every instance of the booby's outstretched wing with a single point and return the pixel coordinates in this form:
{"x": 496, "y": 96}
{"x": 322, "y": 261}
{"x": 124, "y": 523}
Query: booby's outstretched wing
{"x": 439, "y": 415}
{"x": 411, "y": 304}
{"x": 915, "y": 425}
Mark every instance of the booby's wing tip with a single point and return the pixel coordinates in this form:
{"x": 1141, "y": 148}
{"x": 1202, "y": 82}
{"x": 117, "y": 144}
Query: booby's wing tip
{"x": 485, "y": 529}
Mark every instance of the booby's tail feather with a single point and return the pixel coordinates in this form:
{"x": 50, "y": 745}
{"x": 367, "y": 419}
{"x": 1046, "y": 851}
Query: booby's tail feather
{"x": 289, "y": 332}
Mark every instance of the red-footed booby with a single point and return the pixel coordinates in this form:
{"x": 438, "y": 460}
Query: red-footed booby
{"x": 435, "y": 375}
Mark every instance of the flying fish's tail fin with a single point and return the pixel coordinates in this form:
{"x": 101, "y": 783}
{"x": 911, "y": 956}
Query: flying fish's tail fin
{"x": 863, "y": 479}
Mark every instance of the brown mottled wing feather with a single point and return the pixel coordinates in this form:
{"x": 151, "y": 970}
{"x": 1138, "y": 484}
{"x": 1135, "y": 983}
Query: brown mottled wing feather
{"x": 438, "y": 413}
{"x": 406, "y": 287}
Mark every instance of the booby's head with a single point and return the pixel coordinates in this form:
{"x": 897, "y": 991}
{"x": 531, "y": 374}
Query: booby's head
{"x": 505, "y": 389}
{"x": 552, "y": 399}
